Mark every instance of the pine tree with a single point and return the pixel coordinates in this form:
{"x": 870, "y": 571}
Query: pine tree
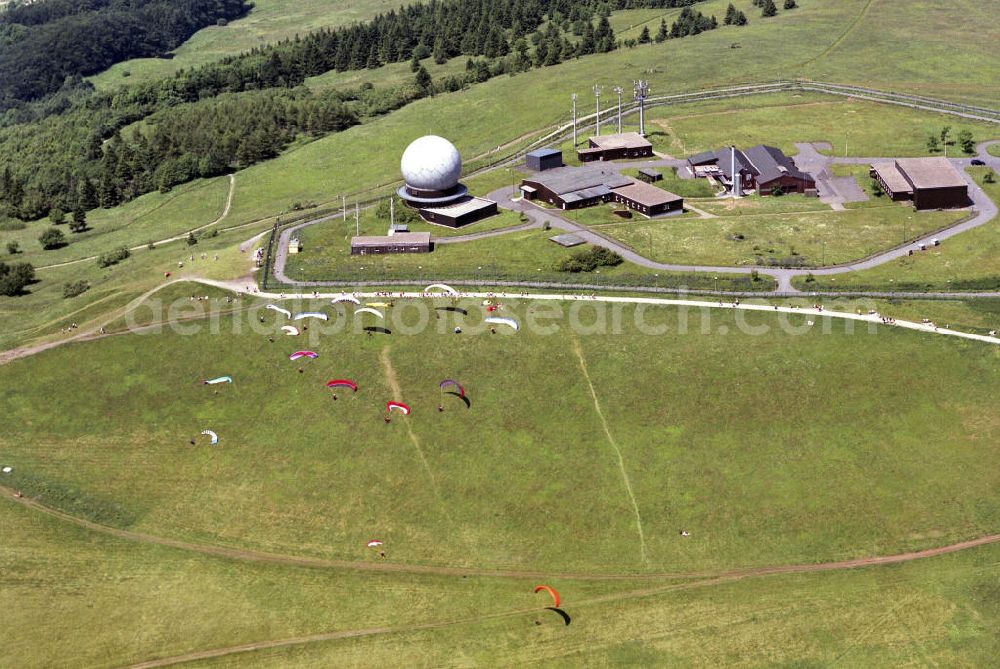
{"x": 730, "y": 15}
{"x": 741, "y": 19}
{"x": 790, "y": 4}
{"x": 424, "y": 82}
{"x": 662, "y": 33}
{"x": 644, "y": 35}
{"x": 768, "y": 8}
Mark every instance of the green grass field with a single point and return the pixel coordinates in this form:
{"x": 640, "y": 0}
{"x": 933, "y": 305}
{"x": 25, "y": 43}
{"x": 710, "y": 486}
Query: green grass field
{"x": 525, "y": 479}
{"x": 858, "y": 127}
{"x": 441, "y": 497}
{"x": 938, "y": 610}
{"x": 527, "y": 253}
{"x": 967, "y": 261}
{"x": 811, "y": 238}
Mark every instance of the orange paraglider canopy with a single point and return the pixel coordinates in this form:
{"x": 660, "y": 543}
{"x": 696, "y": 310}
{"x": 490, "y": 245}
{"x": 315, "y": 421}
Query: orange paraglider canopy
{"x": 551, "y": 591}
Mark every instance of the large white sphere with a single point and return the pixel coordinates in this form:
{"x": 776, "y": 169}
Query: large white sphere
{"x": 431, "y": 163}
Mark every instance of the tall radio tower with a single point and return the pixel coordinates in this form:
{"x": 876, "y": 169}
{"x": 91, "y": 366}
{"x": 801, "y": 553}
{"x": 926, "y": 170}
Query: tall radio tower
{"x": 641, "y": 91}
{"x": 618, "y": 90}
{"x": 574, "y": 120}
{"x": 597, "y": 118}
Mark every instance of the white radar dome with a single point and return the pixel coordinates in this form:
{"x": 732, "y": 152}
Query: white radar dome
{"x": 431, "y": 163}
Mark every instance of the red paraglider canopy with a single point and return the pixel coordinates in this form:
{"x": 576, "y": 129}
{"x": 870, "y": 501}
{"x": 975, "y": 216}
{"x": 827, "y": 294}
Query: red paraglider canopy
{"x": 555, "y": 595}
{"x": 399, "y": 406}
{"x": 451, "y": 382}
{"x": 342, "y": 383}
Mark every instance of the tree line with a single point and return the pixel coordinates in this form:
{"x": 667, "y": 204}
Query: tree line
{"x": 45, "y": 42}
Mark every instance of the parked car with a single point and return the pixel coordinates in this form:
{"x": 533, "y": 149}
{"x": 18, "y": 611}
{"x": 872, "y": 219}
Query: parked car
{"x": 977, "y": 161}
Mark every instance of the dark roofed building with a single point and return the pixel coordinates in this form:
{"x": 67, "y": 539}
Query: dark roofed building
{"x": 400, "y": 242}
{"x": 465, "y": 211}
{"x": 578, "y": 187}
{"x": 543, "y": 159}
{"x": 775, "y": 169}
{"x": 932, "y": 183}
{"x": 613, "y": 147}
{"x": 572, "y": 187}
{"x": 650, "y": 175}
{"x": 762, "y": 168}
{"x": 648, "y": 199}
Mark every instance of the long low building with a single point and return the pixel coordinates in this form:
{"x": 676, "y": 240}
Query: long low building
{"x": 614, "y": 147}
{"x": 463, "y": 212}
{"x": 931, "y": 183}
{"x": 573, "y": 187}
{"x": 648, "y": 199}
{"x": 400, "y": 242}
{"x": 578, "y": 187}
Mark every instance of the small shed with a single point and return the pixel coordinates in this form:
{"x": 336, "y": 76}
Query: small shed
{"x": 650, "y": 175}
{"x": 294, "y": 246}
{"x": 398, "y": 227}
{"x": 540, "y": 160}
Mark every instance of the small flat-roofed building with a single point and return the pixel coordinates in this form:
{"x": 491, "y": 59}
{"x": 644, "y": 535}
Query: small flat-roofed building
{"x": 463, "y": 212}
{"x": 401, "y": 242}
{"x": 294, "y": 246}
{"x": 932, "y": 183}
{"x": 614, "y": 147}
{"x": 648, "y": 199}
{"x": 572, "y": 187}
{"x": 568, "y": 240}
{"x": 543, "y": 159}
{"x": 649, "y": 175}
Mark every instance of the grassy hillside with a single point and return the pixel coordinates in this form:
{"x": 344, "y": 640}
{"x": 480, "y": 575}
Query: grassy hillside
{"x": 269, "y": 21}
{"x": 162, "y": 602}
{"x": 481, "y": 486}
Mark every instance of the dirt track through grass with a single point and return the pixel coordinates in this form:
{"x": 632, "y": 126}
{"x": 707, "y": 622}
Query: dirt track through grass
{"x": 397, "y": 395}
{"x": 614, "y": 445}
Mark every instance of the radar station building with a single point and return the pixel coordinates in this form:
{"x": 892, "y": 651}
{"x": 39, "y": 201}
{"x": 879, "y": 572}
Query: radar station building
{"x": 578, "y": 187}
{"x": 760, "y": 168}
{"x": 540, "y": 160}
{"x": 615, "y": 147}
{"x": 931, "y": 183}
{"x": 431, "y": 167}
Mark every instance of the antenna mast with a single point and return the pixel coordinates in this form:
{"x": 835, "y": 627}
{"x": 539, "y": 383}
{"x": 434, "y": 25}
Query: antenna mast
{"x": 641, "y": 91}
{"x": 597, "y": 118}
{"x": 574, "y": 120}
{"x": 618, "y": 90}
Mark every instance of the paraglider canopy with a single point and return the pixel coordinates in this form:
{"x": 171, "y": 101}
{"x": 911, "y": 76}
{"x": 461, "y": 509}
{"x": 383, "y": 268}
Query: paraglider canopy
{"x": 221, "y": 379}
{"x": 369, "y": 310}
{"x": 303, "y": 354}
{"x": 503, "y": 321}
{"x": 274, "y": 307}
{"x": 345, "y": 298}
{"x": 452, "y": 383}
{"x": 374, "y": 543}
{"x": 552, "y": 592}
{"x": 442, "y": 287}
{"x": 289, "y": 330}
{"x": 342, "y": 383}
{"x": 311, "y": 314}
{"x": 212, "y": 435}
{"x": 398, "y": 406}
